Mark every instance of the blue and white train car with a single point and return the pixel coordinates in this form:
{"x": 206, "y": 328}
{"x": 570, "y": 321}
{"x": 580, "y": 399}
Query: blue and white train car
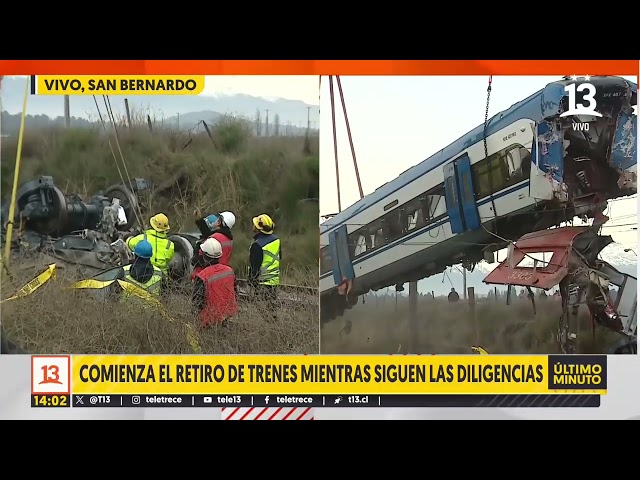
{"x": 458, "y": 205}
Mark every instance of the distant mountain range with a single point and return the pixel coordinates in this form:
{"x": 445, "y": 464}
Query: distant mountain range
{"x": 183, "y": 112}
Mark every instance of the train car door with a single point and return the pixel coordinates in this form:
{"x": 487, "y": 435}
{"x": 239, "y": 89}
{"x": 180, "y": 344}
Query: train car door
{"x": 466, "y": 193}
{"x": 452, "y": 199}
{"x": 339, "y": 245}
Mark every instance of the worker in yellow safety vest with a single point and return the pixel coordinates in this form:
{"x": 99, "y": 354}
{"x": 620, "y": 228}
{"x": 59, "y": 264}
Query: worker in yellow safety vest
{"x": 264, "y": 260}
{"x": 141, "y": 273}
{"x": 163, "y": 248}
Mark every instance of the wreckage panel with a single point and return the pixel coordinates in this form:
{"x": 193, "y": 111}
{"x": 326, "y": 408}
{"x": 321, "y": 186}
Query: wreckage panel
{"x": 545, "y": 277}
{"x": 556, "y": 243}
{"x": 553, "y": 238}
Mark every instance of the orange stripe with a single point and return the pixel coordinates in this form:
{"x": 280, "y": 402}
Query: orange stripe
{"x": 319, "y": 67}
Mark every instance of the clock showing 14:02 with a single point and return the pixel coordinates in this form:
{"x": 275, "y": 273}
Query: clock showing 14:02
{"x": 50, "y": 401}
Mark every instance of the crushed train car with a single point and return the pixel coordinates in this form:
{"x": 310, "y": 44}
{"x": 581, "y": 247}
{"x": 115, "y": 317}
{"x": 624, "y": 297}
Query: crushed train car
{"x": 67, "y": 229}
{"x": 572, "y": 264}
{"x": 88, "y": 234}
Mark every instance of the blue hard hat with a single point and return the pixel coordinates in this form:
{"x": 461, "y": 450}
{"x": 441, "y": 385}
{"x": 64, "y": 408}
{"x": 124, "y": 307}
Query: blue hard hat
{"x": 143, "y": 249}
{"x": 211, "y": 220}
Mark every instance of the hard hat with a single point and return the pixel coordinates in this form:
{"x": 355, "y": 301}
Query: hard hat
{"x": 211, "y": 220}
{"x": 264, "y": 223}
{"x": 212, "y": 248}
{"x": 228, "y": 218}
{"x": 159, "y": 222}
{"x": 143, "y": 249}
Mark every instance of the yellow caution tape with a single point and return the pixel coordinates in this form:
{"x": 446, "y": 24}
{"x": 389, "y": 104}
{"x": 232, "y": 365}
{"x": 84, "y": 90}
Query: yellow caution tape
{"x": 34, "y": 284}
{"x": 136, "y": 291}
{"x": 479, "y": 351}
{"x": 92, "y": 284}
{"x": 193, "y": 341}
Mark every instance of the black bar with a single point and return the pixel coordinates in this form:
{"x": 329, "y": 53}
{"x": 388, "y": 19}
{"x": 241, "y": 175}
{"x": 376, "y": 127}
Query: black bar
{"x": 33, "y": 84}
{"x": 339, "y": 401}
{"x": 490, "y": 401}
{"x": 288, "y": 400}
{"x": 50, "y": 401}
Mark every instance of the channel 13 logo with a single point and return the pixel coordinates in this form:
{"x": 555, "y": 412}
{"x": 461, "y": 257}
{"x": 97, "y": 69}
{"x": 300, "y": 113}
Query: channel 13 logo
{"x": 588, "y": 104}
{"x": 50, "y": 375}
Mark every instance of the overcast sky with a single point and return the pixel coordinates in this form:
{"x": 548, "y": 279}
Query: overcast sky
{"x": 292, "y": 87}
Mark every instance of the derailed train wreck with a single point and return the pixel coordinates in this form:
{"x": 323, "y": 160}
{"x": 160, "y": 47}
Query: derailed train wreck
{"x": 90, "y": 236}
{"x": 534, "y": 166}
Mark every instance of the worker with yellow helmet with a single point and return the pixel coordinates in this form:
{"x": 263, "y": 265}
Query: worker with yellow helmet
{"x": 163, "y": 248}
{"x": 264, "y": 259}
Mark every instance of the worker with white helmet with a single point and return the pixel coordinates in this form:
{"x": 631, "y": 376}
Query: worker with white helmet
{"x": 163, "y": 248}
{"x": 218, "y": 226}
{"x": 214, "y": 292}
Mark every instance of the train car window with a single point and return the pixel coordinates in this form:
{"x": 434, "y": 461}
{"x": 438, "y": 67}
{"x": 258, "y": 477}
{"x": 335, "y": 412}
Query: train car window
{"x": 466, "y": 188}
{"x": 516, "y": 165}
{"x": 391, "y": 205}
{"x": 413, "y": 211}
{"x": 501, "y": 170}
{"x": 437, "y": 206}
{"x": 393, "y": 221}
{"x": 363, "y": 243}
{"x": 326, "y": 262}
{"x": 481, "y": 178}
{"x": 397, "y": 223}
{"x": 498, "y": 171}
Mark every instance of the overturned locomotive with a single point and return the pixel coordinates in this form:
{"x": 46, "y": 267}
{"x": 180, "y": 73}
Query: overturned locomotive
{"x": 55, "y": 227}
{"x": 88, "y": 234}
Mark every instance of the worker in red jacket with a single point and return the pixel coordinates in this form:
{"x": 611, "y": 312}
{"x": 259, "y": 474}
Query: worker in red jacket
{"x": 216, "y": 226}
{"x": 214, "y": 292}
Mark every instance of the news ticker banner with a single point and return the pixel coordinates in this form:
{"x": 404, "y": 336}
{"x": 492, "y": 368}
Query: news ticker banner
{"x": 117, "y": 85}
{"x": 471, "y": 380}
{"x": 315, "y": 401}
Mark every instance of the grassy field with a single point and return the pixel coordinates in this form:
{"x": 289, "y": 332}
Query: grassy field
{"x": 379, "y": 326}
{"x": 236, "y": 172}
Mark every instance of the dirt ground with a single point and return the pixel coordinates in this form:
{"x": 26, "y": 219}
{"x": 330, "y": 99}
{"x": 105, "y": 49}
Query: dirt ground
{"x": 57, "y": 320}
{"x": 380, "y": 326}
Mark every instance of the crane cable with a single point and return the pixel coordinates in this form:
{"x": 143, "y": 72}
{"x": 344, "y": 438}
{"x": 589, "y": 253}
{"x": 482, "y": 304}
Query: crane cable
{"x": 107, "y": 103}
{"x": 486, "y": 153}
{"x": 104, "y": 127}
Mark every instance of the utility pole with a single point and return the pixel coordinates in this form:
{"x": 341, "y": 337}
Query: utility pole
{"x": 267, "y": 124}
{"x": 67, "y": 114}
{"x": 412, "y": 346}
{"x": 307, "y": 146}
{"x": 464, "y": 281}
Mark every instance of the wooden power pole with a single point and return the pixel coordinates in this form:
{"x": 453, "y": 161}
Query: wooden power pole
{"x": 67, "y": 114}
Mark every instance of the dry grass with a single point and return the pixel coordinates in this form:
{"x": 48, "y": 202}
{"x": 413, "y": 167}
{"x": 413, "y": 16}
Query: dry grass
{"x": 58, "y": 320}
{"x": 379, "y": 327}
{"x": 237, "y": 172}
